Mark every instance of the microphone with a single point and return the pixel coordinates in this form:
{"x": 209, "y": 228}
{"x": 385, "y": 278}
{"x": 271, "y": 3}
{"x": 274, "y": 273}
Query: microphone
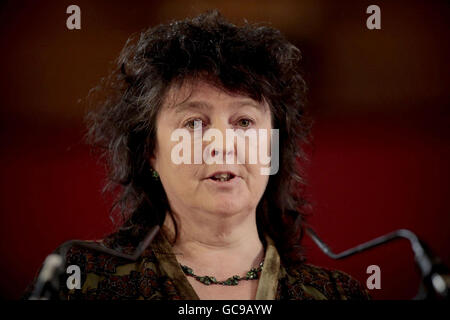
{"x": 435, "y": 276}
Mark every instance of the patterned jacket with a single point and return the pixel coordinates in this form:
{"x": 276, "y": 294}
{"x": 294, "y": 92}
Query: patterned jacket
{"x": 158, "y": 275}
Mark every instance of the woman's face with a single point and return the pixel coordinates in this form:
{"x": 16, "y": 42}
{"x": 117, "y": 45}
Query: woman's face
{"x": 192, "y": 187}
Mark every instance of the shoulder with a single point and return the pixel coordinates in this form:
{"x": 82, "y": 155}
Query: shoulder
{"x": 107, "y": 276}
{"x": 104, "y": 275}
{"x": 106, "y": 256}
{"x": 307, "y": 281}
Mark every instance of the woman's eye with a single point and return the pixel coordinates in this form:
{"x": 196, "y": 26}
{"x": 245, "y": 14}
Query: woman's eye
{"x": 244, "y": 123}
{"x": 194, "y": 124}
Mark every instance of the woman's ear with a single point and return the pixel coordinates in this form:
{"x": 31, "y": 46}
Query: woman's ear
{"x": 152, "y": 161}
{"x": 153, "y": 156}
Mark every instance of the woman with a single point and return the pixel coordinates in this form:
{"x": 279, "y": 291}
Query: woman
{"x": 227, "y": 231}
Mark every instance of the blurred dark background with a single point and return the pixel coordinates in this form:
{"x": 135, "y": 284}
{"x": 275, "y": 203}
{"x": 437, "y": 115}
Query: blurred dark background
{"x": 380, "y": 99}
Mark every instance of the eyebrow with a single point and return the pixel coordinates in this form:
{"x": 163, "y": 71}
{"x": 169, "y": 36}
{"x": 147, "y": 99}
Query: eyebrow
{"x": 202, "y": 105}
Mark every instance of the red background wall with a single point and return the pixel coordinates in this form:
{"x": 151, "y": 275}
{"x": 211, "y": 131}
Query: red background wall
{"x": 380, "y": 99}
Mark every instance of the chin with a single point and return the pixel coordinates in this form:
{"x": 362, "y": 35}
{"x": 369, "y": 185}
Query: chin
{"x": 227, "y": 207}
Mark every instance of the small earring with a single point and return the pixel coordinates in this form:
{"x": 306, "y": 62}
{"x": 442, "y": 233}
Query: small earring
{"x": 155, "y": 174}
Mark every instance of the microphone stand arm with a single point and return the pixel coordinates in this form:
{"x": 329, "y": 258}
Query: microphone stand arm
{"x": 434, "y": 275}
{"x": 47, "y": 282}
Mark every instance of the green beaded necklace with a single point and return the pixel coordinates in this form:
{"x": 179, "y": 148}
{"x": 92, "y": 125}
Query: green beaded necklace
{"x": 231, "y": 281}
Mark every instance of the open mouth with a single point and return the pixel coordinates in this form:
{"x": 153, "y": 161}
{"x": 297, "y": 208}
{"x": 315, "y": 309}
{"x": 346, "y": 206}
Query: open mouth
{"x": 222, "y": 177}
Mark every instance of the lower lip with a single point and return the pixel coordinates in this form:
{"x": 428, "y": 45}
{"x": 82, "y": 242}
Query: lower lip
{"x": 226, "y": 184}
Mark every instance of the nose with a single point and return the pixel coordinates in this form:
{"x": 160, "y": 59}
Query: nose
{"x": 216, "y": 151}
{"x": 221, "y": 150}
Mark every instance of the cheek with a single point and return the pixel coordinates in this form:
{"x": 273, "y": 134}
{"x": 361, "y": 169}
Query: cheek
{"x": 256, "y": 180}
{"x": 180, "y": 171}
{"x": 179, "y": 182}
{"x": 257, "y": 185}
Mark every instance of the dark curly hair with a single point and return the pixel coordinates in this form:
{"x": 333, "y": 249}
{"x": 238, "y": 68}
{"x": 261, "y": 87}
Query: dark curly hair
{"x": 253, "y": 60}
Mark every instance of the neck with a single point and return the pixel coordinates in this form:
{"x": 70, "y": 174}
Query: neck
{"x": 210, "y": 243}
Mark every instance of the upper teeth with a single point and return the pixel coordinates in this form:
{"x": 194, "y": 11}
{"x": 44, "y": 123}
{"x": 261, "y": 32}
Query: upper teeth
{"x": 222, "y": 176}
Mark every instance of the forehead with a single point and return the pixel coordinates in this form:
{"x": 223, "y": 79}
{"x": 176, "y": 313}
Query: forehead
{"x": 202, "y": 95}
